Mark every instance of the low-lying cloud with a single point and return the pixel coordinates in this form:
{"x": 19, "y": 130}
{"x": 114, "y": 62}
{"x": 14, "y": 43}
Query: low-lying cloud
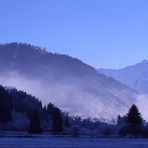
{"x": 142, "y": 103}
{"x": 70, "y": 98}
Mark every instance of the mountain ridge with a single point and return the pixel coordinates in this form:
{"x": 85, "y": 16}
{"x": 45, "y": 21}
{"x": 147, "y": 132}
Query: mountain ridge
{"x": 134, "y": 76}
{"x": 67, "y": 82}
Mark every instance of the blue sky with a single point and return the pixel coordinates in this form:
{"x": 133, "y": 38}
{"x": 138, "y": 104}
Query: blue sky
{"x": 102, "y": 33}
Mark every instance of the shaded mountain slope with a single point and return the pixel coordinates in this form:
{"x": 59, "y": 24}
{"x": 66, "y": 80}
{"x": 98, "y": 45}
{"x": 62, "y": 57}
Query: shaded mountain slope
{"x": 67, "y": 82}
{"x": 135, "y": 76}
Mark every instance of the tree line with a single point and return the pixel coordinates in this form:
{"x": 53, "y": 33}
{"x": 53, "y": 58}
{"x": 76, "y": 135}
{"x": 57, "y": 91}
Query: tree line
{"x": 21, "y": 111}
{"x": 19, "y": 105}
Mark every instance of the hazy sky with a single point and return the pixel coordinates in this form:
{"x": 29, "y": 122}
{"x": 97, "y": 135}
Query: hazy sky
{"x": 102, "y": 33}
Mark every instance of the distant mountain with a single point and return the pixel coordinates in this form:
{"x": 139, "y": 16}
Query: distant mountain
{"x": 135, "y": 76}
{"x": 67, "y": 82}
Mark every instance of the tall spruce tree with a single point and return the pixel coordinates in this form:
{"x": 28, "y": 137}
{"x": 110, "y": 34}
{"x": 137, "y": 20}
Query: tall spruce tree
{"x": 57, "y": 121}
{"x": 35, "y": 124}
{"x": 134, "y": 117}
{"x": 134, "y": 122}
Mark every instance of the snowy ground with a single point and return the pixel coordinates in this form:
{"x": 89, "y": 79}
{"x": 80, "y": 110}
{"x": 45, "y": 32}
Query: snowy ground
{"x": 53, "y": 142}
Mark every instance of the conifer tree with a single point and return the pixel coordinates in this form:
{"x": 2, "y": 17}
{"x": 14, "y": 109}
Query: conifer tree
{"x": 67, "y": 121}
{"x": 134, "y": 117}
{"x": 57, "y": 121}
{"x": 35, "y": 124}
{"x": 5, "y": 110}
{"x": 134, "y": 122}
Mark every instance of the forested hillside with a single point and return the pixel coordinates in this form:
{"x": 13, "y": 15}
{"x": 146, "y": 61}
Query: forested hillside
{"x": 70, "y": 84}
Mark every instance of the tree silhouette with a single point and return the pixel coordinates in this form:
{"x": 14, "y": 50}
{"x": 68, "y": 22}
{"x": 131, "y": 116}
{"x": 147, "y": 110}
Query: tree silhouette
{"x": 134, "y": 122}
{"x": 57, "y": 121}
{"x": 134, "y": 117}
{"x": 5, "y": 110}
{"x": 66, "y": 120}
{"x": 35, "y": 124}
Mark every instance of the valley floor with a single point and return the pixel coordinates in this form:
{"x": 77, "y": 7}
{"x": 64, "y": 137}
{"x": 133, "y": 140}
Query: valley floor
{"x": 59, "y": 142}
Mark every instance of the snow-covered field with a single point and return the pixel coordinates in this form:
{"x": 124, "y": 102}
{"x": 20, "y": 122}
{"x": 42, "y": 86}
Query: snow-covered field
{"x": 52, "y": 142}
